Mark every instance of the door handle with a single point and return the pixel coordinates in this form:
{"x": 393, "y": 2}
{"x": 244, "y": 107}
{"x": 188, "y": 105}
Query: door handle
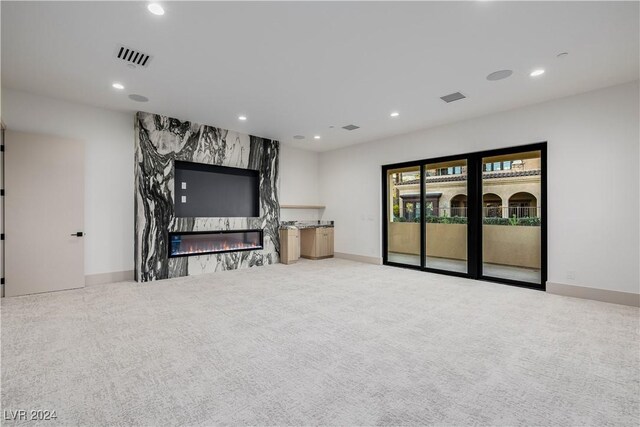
{"x": 78, "y": 234}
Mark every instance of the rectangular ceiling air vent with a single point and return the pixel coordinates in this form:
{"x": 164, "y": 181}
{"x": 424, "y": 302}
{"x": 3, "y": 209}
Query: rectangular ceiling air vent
{"x": 132, "y": 57}
{"x": 350, "y": 127}
{"x": 452, "y": 97}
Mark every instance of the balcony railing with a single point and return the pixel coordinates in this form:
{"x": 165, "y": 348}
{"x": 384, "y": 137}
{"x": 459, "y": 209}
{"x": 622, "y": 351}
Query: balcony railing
{"x": 491, "y": 211}
{"x": 510, "y": 211}
{"x": 506, "y": 212}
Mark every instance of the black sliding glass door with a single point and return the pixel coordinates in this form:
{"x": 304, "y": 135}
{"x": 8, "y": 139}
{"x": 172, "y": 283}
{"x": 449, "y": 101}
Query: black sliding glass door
{"x": 403, "y": 215}
{"x": 445, "y": 207}
{"x": 512, "y": 206}
{"x": 477, "y": 215}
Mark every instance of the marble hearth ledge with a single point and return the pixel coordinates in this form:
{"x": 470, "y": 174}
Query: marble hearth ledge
{"x": 305, "y": 224}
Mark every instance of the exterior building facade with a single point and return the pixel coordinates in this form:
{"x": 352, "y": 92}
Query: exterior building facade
{"x": 510, "y": 188}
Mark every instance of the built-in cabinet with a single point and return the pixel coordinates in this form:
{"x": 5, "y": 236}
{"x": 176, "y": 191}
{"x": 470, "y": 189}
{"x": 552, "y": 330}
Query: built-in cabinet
{"x": 316, "y": 243}
{"x": 311, "y": 243}
{"x": 289, "y": 245}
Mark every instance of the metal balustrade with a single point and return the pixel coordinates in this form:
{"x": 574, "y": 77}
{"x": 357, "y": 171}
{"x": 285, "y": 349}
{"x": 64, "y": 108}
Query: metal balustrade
{"x": 487, "y": 212}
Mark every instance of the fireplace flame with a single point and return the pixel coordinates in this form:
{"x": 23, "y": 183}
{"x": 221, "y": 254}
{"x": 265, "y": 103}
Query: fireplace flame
{"x": 192, "y": 246}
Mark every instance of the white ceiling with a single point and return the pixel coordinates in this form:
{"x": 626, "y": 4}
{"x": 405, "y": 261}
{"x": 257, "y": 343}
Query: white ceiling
{"x": 297, "y": 68}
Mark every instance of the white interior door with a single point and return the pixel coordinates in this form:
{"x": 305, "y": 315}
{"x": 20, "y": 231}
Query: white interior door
{"x": 44, "y": 209}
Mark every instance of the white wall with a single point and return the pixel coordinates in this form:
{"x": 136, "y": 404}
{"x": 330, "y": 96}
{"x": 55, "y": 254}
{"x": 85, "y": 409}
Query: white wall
{"x": 593, "y": 155}
{"x": 593, "y": 181}
{"x": 108, "y": 137}
{"x": 299, "y": 183}
{"x": 109, "y": 169}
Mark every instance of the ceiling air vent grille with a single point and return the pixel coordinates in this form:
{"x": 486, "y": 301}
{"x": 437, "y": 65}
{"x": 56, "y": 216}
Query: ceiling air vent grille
{"x": 132, "y": 57}
{"x": 350, "y": 127}
{"x": 452, "y": 97}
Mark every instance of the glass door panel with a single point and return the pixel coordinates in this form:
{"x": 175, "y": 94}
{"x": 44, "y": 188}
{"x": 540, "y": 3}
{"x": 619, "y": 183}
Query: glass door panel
{"x": 511, "y": 216}
{"x": 403, "y": 216}
{"x": 445, "y": 206}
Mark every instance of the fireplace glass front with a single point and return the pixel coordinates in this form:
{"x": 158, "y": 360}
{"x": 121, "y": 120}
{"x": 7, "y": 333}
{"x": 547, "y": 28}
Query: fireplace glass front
{"x": 211, "y": 242}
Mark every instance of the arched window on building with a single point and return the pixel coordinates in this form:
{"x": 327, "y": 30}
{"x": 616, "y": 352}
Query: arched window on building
{"x": 459, "y": 205}
{"x": 492, "y": 205}
{"x": 523, "y": 205}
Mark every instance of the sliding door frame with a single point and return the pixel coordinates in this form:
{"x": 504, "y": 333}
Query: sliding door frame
{"x": 474, "y": 214}
{"x": 385, "y": 214}
{"x": 542, "y": 147}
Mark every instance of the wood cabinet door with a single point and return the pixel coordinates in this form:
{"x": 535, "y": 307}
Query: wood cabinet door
{"x": 325, "y": 242}
{"x": 320, "y": 242}
{"x": 316, "y": 242}
{"x": 329, "y": 241}
{"x": 308, "y": 239}
{"x": 284, "y": 247}
{"x": 294, "y": 242}
{"x": 290, "y": 246}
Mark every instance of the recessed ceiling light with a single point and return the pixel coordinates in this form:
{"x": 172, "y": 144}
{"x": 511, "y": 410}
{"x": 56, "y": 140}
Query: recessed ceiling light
{"x": 562, "y": 54}
{"x": 118, "y": 86}
{"x": 298, "y": 136}
{"x": 316, "y": 137}
{"x": 243, "y": 118}
{"x": 138, "y": 98}
{"x": 499, "y": 75}
{"x": 394, "y": 114}
{"x": 155, "y": 8}
{"x": 536, "y": 73}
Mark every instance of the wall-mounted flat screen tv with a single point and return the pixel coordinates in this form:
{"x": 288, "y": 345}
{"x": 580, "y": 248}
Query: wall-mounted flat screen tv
{"x": 203, "y": 190}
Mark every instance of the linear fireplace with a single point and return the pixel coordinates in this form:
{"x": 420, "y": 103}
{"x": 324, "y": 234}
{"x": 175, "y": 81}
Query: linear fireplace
{"x": 188, "y": 243}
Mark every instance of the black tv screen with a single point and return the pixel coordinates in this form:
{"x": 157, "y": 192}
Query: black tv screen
{"x": 203, "y": 190}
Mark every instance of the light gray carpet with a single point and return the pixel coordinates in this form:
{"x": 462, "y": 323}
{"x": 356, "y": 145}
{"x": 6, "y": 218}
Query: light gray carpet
{"x": 320, "y": 342}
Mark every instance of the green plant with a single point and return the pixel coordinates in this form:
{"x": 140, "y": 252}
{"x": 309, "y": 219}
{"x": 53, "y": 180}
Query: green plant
{"x": 525, "y": 221}
{"x": 432, "y": 219}
{"x": 458, "y": 220}
{"x": 529, "y": 221}
{"x": 445, "y": 218}
{"x": 513, "y": 221}
{"x": 495, "y": 221}
{"x": 396, "y": 210}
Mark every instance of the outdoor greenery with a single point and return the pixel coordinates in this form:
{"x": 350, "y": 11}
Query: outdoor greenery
{"x": 525, "y": 221}
{"x": 496, "y": 221}
{"x": 403, "y": 219}
{"x": 446, "y": 219}
{"x": 529, "y": 221}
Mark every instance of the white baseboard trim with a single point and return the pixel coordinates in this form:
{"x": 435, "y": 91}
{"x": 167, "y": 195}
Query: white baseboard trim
{"x": 604, "y": 295}
{"x": 103, "y": 278}
{"x": 359, "y": 258}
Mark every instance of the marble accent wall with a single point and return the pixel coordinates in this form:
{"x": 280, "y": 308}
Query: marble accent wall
{"x": 159, "y": 141}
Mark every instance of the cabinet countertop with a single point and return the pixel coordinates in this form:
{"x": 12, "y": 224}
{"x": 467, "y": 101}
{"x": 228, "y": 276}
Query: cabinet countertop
{"x": 303, "y": 227}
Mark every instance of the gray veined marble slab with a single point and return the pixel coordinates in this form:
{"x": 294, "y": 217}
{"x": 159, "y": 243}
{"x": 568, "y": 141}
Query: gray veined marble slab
{"x": 161, "y": 140}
